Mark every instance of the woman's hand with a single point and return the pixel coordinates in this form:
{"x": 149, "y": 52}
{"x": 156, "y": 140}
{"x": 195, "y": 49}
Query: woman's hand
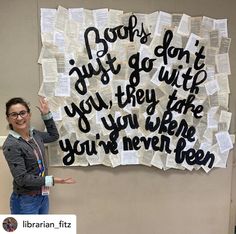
{"x": 58, "y": 180}
{"x": 43, "y": 108}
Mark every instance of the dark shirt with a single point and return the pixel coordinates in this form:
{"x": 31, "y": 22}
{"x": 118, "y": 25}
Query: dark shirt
{"x": 21, "y": 158}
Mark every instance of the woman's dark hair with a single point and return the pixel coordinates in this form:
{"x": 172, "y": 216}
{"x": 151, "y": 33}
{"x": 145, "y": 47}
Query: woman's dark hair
{"x": 14, "y": 101}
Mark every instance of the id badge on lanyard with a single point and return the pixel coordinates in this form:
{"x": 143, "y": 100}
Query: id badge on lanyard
{"x": 44, "y": 189}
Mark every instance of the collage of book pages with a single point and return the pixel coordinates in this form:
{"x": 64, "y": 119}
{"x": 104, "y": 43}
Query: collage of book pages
{"x": 130, "y": 88}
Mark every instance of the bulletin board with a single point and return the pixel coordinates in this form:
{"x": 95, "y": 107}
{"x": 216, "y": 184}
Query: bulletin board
{"x": 130, "y": 88}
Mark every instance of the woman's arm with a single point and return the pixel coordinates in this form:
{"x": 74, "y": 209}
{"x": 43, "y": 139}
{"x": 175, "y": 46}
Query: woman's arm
{"x": 52, "y": 132}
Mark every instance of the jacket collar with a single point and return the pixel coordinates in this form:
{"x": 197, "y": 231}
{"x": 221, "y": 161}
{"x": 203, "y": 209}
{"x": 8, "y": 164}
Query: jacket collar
{"x": 17, "y": 135}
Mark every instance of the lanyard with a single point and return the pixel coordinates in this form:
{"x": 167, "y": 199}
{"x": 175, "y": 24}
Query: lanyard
{"x": 40, "y": 161}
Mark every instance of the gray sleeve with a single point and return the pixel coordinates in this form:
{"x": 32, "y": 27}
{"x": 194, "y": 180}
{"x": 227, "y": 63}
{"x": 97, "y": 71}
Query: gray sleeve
{"x": 51, "y": 134}
{"x": 16, "y": 163}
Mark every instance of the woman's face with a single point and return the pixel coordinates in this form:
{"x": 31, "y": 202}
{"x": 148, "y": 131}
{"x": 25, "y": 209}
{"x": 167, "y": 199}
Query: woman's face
{"x": 19, "y": 118}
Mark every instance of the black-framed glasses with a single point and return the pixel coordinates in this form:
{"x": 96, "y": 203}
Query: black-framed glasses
{"x": 14, "y": 115}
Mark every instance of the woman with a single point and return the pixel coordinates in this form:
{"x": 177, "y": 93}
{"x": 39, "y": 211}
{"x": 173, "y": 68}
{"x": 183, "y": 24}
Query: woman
{"x": 25, "y": 154}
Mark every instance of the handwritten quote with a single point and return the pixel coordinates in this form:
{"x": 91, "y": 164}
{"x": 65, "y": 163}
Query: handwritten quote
{"x": 146, "y": 106}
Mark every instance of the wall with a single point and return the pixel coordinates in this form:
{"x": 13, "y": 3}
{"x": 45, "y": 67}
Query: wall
{"x": 134, "y": 199}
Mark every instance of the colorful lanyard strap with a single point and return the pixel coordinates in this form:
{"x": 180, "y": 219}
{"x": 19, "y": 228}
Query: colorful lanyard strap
{"x": 40, "y": 161}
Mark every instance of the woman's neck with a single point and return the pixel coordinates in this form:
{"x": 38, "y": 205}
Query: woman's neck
{"x": 24, "y": 134}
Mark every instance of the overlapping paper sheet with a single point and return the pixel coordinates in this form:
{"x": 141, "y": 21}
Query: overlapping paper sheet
{"x": 131, "y": 88}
